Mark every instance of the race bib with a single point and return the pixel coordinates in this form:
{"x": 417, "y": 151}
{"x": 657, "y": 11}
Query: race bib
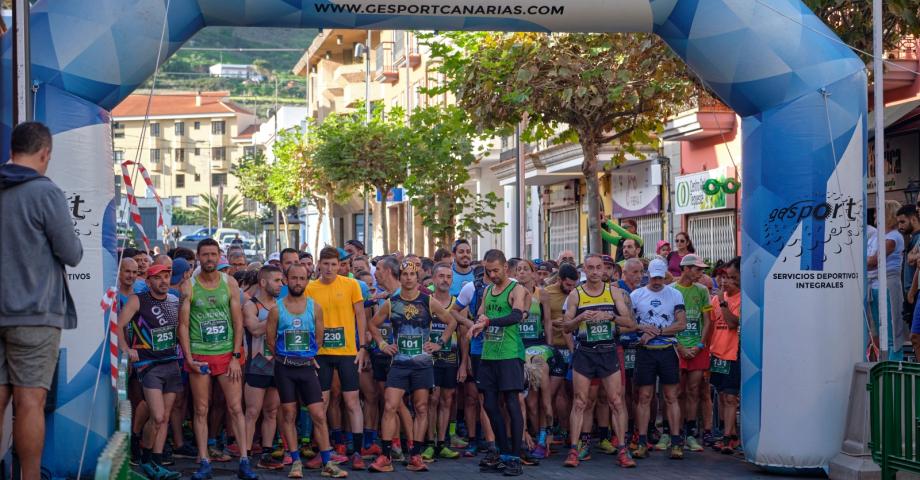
{"x": 334, "y": 337}
{"x": 717, "y": 365}
{"x": 409, "y": 345}
{"x": 629, "y": 357}
{"x": 599, "y": 332}
{"x": 566, "y": 355}
{"x": 163, "y": 338}
{"x": 433, "y": 337}
{"x": 214, "y": 331}
{"x": 296, "y": 340}
{"x": 528, "y": 330}
{"x": 494, "y": 333}
{"x": 693, "y": 328}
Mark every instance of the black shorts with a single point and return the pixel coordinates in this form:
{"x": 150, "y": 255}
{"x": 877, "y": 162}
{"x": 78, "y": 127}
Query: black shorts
{"x": 255, "y": 380}
{"x": 298, "y": 384}
{"x": 380, "y": 366}
{"x": 595, "y": 364}
{"x": 727, "y": 383}
{"x": 475, "y": 361}
{"x": 345, "y": 365}
{"x": 410, "y": 379}
{"x": 501, "y": 375}
{"x": 559, "y": 364}
{"x": 162, "y": 376}
{"x": 662, "y": 364}
{"x": 445, "y": 376}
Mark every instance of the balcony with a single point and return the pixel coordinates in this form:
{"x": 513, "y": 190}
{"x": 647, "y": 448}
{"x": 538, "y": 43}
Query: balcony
{"x": 348, "y": 74}
{"x": 415, "y": 56}
{"x": 703, "y": 117}
{"x": 901, "y": 65}
{"x": 386, "y": 71}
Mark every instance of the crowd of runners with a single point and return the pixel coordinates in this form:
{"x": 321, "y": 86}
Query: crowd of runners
{"x": 342, "y": 361}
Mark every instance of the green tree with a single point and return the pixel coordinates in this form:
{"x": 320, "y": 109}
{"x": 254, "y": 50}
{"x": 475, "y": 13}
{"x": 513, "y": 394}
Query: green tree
{"x": 585, "y": 88}
{"x": 439, "y": 169}
{"x": 357, "y": 155}
{"x": 232, "y": 214}
{"x": 851, "y": 20}
{"x": 253, "y": 172}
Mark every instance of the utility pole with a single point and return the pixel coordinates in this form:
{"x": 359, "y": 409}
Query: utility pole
{"x": 878, "y": 90}
{"x": 520, "y": 200}
{"x": 22, "y": 71}
{"x": 368, "y": 243}
{"x": 410, "y": 223}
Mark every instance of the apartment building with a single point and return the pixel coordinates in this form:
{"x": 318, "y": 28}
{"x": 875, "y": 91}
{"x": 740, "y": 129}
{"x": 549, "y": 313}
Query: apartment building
{"x": 189, "y": 145}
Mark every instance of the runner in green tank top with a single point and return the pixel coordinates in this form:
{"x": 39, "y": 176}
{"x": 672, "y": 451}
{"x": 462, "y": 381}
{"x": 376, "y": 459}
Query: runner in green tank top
{"x": 210, "y": 330}
{"x": 501, "y": 373}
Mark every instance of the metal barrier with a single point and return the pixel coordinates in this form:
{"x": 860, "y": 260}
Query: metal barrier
{"x": 894, "y": 412}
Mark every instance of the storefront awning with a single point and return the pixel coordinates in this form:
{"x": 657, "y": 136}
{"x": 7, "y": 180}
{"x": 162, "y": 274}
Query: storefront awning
{"x": 893, "y": 114}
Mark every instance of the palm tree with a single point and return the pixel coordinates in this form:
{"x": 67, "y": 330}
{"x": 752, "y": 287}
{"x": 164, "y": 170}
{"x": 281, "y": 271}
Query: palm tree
{"x": 233, "y": 211}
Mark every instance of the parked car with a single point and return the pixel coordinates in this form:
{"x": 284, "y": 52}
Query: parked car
{"x": 199, "y": 235}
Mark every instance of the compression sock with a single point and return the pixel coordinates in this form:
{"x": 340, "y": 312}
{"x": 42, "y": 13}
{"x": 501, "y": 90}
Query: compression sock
{"x": 295, "y": 455}
{"x": 387, "y": 447}
{"x": 603, "y": 433}
{"x": 369, "y": 437}
{"x": 326, "y": 456}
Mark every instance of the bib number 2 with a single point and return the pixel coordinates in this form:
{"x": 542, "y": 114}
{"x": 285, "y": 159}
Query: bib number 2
{"x": 296, "y": 341}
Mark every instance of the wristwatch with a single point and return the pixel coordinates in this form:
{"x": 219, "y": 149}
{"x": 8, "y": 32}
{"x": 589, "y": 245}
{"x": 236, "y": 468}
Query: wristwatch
{"x": 366, "y": 346}
{"x": 723, "y": 304}
{"x": 237, "y": 355}
{"x": 440, "y": 341}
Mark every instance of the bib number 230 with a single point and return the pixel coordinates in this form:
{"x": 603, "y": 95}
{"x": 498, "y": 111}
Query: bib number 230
{"x": 334, "y": 337}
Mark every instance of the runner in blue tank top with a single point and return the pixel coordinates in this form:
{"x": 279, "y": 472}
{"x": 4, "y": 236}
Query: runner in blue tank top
{"x": 292, "y": 330}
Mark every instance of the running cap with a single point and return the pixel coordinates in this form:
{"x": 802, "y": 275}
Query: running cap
{"x": 657, "y": 268}
{"x": 692, "y": 260}
{"x": 180, "y": 266}
{"x": 158, "y": 269}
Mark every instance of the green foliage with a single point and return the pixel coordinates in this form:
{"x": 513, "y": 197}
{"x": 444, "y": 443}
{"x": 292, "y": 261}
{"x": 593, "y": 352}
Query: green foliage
{"x": 439, "y": 165}
{"x": 253, "y": 173}
{"x": 183, "y": 216}
{"x": 233, "y": 211}
{"x": 852, "y": 21}
{"x": 589, "y": 88}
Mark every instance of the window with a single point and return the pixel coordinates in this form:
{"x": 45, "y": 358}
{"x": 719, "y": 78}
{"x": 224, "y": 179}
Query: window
{"x": 250, "y": 150}
{"x": 155, "y": 155}
{"x": 218, "y": 128}
{"x": 118, "y": 130}
{"x": 197, "y": 177}
{"x": 713, "y": 235}
{"x": 197, "y": 125}
{"x": 192, "y": 200}
{"x": 119, "y": 156}
{"x": 175, "y": 201}
{"x": 219, "y": 153}
{"x": 154, "y": 130}
{"x": 179, "y": 155}
{"x": 180, "y": 129}
{"x": 197, "y": 151}
{"x": 358, "y": 224}
{"x": 218, "y": 179}
{"x": 563, "y": 231}
{"x": 180, "y": 181}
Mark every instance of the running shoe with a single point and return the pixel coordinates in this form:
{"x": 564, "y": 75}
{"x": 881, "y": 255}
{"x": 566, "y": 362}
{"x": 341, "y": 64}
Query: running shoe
{"x": 218, "y": 455}
{"x": 427, "y": 455}
{"x": 267, "y": 462}
{"x": 245, "y": 471}
{"x": 624, "y": 459}
{"x": 315, "y": 463}
{"x": 150, "y": 470}
{"x": 677, "y": 452}
{"x": 693, "y": 445}
{"x": 168, "y": 455}
{"x": 663, "y": 443}
{"x": 448, "y": 453}
{"x": 606, "y": 447}
{"x": 726, "y": 447}
{"x": 286, "y": 459}
{"x": 654, "y": 436}
{"x": 572, "y": 459}
{"x": 458, "y": 442}
{"x": 233, "y": 450}
{"x": 470, "y": 451}
{"x": 529, "y": 460}
{"x": 339, "y": 459}
{"x": 357, "y": 463}
{"x": 540, "y": 452}
{"x": 381, "y": 464}
{"x": 341, "y": 450}
{"x": 491, "y": 462}
{"x": 641, "y": 451}
{"x": 634, "y": 441}
{"x": 135, "y": 450}
{"x": 185, "y": 451}
{"x": 279, "y": 452}
{"x": 397, "y": 455}
{"x": 332, "y": 470}
{"x": 296, "y": 470}
{"x": 371, "y": 452}
{"x": 709, "y": 438}
{"x": 204, "y": 472}
{"x": 584, "y": 451}
{"x": 513, "y": 468}
{"x": 416, "y": 464}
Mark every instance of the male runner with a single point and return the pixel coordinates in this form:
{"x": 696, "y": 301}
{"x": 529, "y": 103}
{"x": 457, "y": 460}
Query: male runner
{"x": 411, "y": 312}
{"x": 343, "y": 312}
{"x": 152, "y": 318}
{"x": 691, "y": 347}
{"x": 563, "y": 346}
{"x": 462, "y": 268}
{"x": 446, "y": 362}
{"x": 595, "y": 310}
{"x": 537, "y": 331}
{"x": 291, "y": 336}
{"x": 629, "y": 342}
{"x": 211, "y": 336}
{"x": 260, "y": 392}
{"x": 723, "y": 342}
{"x": 501, "y": 372}
{"x": 659, "y": 310}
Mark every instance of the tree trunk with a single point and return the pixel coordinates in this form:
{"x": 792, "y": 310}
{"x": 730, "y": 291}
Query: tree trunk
{"x": 329, "y": 214}
{"x": 287, "y": 233}
{"x": 595, "y": 206}
{"x": 383, "y": 221}
{"x": 321, "y": 212}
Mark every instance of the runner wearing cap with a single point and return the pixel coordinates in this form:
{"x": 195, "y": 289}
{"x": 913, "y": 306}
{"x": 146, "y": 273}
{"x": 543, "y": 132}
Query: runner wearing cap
{"x": 274, "y": 259}
{"x": 659, "y": 311}
{"x": 211, "y": 335}
{"x": 692, "y": 350}
{"x": 152, "y": 318}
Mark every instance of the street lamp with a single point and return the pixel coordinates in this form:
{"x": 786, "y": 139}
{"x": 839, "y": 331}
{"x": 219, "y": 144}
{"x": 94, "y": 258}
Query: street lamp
{"x": 911, "y": 191}
{"x": 364, "y": 50}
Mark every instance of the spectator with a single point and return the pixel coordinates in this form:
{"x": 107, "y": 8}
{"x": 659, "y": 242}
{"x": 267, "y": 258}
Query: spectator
{"x": 663, "y": 249}
{"x": 894, "y": 253}
{"x": 684, "y": 246}
{"x": 38, "y": 239}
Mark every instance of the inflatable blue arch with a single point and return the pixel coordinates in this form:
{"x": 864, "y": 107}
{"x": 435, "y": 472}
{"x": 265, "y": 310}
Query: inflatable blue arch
{"x": 801, "y": 93}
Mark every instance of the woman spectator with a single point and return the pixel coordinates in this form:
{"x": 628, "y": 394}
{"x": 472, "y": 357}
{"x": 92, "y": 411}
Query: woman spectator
{"x": 684, "y": 246}
{"x": 894, "y": 248}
